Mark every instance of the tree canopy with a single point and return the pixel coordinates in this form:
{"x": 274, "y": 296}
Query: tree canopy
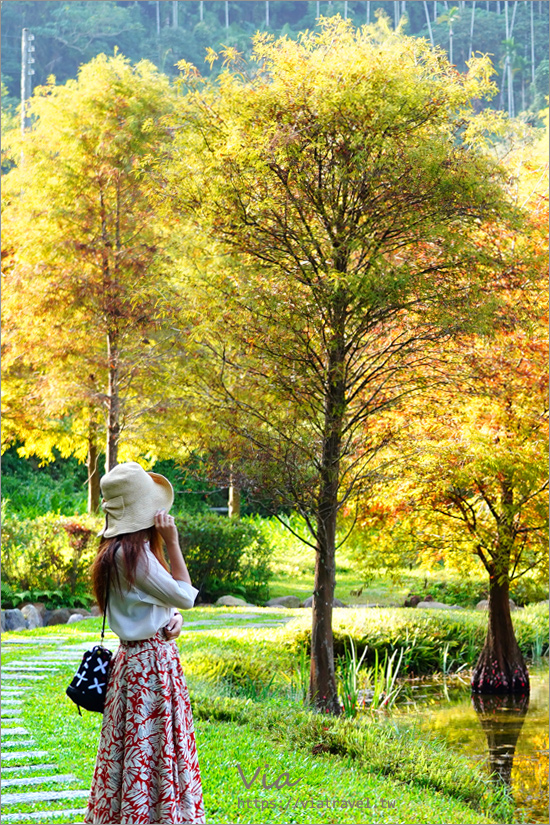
{"x": 86, "y": 289}
{"x": 341, "y": 219}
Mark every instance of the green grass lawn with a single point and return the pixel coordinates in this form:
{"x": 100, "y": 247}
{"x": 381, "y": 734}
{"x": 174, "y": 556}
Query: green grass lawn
{"x": 374, "y": 770}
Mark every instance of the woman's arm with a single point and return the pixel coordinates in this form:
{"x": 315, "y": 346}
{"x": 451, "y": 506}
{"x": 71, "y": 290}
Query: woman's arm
{"x": 166, "y": 526}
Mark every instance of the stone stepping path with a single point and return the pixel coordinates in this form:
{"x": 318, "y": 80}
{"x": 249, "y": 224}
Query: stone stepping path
{"x": 19, "y": 676}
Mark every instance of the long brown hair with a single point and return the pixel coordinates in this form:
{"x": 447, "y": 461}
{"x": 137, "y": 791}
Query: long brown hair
{"x": 132, "y": 547}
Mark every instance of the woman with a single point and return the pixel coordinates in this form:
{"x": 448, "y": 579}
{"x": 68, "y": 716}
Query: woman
{"x": 147, "y": 769}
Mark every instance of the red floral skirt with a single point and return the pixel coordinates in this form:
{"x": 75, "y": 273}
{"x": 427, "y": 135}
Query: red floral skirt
{"x": 147, "y": 770}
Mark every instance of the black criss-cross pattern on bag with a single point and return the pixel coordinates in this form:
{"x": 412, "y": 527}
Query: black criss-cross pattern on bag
{"x": 89, "y": 686}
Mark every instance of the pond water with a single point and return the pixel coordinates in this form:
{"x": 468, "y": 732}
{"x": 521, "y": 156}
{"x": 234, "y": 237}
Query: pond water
{"x": 507, "y": 735}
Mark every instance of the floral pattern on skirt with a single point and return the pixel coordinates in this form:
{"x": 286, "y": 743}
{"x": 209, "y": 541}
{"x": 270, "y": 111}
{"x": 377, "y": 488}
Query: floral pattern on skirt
{"x": 147, "y": 768}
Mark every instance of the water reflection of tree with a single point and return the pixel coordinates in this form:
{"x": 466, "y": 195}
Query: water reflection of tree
{"x": 501, "y": 717}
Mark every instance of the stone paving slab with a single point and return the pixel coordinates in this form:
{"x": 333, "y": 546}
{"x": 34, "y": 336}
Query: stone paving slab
{"x": 32, "y": 768}
{"x": 41, "y": 815}
{"x": 33, "y": 677}
{"x": 39, "y": 780}
{"x": 24, "y": 755}
{"x": 37, "y": 640}
{"x": 16, "y": 743}
{"x": 12, "y": 720}
{"x": 15, "y": 732}
{"x": 24, "y": 666}
{"x": 41, "y": 796}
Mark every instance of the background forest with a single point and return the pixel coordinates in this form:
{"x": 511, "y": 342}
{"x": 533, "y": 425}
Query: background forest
{"x": 68, "y": 34}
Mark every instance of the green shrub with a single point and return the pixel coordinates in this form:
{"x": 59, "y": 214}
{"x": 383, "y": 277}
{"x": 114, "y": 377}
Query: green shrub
{"x": 31, "y": 490}
{"x": 50, "y": 554}
{"x": 526, "y": 590}
{"x": 225, "y": 556}
{"x": 468, "y": 592}
{"x": 424, "y": 636}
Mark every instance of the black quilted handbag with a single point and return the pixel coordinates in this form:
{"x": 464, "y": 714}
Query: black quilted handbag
{"x": 89, "y": 685}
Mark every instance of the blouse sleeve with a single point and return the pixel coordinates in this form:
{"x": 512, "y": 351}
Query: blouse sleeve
{"x": 159, "y": 587}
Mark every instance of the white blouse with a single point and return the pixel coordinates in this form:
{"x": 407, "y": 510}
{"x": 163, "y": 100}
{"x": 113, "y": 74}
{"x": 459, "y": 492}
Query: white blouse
{"x": 138, "y": 612}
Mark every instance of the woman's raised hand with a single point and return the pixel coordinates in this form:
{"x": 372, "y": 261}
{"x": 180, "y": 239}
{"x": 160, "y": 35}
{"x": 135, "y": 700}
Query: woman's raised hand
{"x": 166, "y": 526}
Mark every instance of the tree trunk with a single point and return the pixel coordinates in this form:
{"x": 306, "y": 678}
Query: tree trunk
{"x": 472, "y": 23}
{"x": 234, "y": 502}
{"x": 113, "y": 412}
{"x": 322, "y": 686}
{"x": 427, "y": 12}
{"x": 532, "y": 46}
{"x": 500, "y": 667}
{"x": 93, "y": 472}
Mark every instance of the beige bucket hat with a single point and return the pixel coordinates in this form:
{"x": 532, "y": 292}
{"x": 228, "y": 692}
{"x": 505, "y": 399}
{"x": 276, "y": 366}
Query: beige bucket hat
{"x": 131, "y": 497}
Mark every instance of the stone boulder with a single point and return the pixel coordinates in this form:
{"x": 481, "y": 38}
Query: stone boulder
{"x": 78, "y": 617}
{"x": 32, "y": 616}
{"x": 484, "y": 605}
{"x": 230, "y": 601}
{"x": 284, "y": 601}
{"x": 413, "y": 599}
{"x": 95, "y": 611}
{"x": 438, "y": 606}
{"x": 335, "y": 602}
{"x": 61, "y": 615}
{"x": 41, "y": 607}
{"x": 3, "y": 618}
{"x": 14, "y": 620}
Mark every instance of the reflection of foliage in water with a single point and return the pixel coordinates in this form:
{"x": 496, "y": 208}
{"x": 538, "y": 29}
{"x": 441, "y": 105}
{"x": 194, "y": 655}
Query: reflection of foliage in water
{"x": 530, "y": 778}
{"x": 455, "y": 720}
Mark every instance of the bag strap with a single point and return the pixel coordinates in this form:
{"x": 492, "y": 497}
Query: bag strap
{"x": 107, "y": 588}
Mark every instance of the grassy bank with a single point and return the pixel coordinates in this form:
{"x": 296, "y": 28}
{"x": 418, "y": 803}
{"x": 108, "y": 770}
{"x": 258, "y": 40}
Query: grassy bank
{"x": 347, "y": 771}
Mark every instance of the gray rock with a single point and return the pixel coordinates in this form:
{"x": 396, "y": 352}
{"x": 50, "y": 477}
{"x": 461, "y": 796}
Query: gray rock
{"x": 14, "y": 620}
{"x": 230, "y": 601}
{"x": 309, "y": 602}
{"x": 284, "y": 601}
{"x": 95, "y": 611}
{"x": 78, "y": 617}
{"x": 3, "y": 620}
{"x": 59, "y": 616}
{"x": 32, "y": 616}
{"x": 41, "y": 607}
{"x": 484, "y": 605}
{"x": 435, "y": 605}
